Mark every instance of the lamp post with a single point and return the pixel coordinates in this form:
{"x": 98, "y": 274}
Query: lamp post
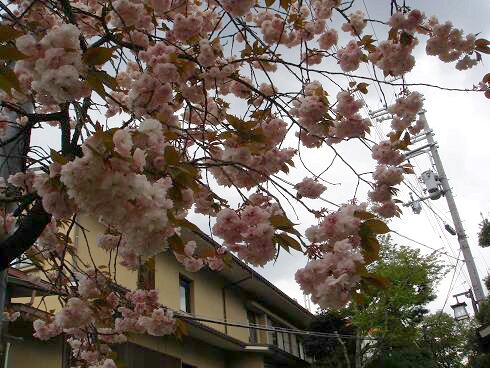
{"x": 459, "y": 308}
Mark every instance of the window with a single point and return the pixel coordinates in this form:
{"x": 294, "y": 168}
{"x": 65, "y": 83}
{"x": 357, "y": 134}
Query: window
{"x": 185, "y": 294}
{"x": 252, "y": 320}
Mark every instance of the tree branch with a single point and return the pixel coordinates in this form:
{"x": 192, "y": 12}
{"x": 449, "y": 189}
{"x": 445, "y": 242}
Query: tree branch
{"x": 30, "y": 227}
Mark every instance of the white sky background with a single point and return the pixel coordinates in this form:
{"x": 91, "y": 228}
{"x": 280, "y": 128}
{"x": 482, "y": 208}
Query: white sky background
{"x": 459, "y": 120}
{"x": 461, "y": 125}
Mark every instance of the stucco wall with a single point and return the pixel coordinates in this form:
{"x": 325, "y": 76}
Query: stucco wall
{"x": 190, "y": 351}
{"x": 34, "y": 353}
{"x": 99, "y": 256}
{"x": 207, "y": 295}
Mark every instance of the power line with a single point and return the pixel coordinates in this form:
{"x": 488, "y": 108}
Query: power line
{"x": 271, "y": 328}
{"x": 451, "y": 284}
{"x": 425, "y": 245}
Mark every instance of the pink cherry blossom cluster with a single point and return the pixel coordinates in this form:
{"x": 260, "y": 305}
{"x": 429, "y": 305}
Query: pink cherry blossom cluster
{"x": 349, "y": 123}
{"x": 49, "y": 241}
{"x": 323, "y": 8}
{"x": 249, "y": 231}
{"x": 310, "y": 110}
{"x": 408, "y": 22}
{"x": 385, "y": 178}
{"x": 449, "y": 44}
{"x": 54, "y": 197}
{"x": 237, "y": 8}
{"x": 350, "y": 56}
{"x": 244, "y": 167}
{"x": 53, "y": 65}
{"x": 356, "y": 23}
{"x": 328, "y": 39}
{"x": 331, "y": 279}
{"x": 126, "y": 200}
{"x": 94, "y": 357}
{"x": 394, "y": 58}
{"x": 193, "y": 263}
{"x": 309, "y": 188}
{"x": 385, "y": 153}
{"x": 405, "y": 111}
{"x": 146, "y": 316}
{"x": 339, "y": 225}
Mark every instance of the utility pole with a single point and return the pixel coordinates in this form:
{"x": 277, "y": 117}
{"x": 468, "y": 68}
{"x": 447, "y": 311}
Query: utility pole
{"x": 439, "y": 186}
{"x": 12, "y": 160}
{"x": 458, "y": 225}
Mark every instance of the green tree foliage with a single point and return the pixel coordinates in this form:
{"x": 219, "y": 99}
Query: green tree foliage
{"x": 403, "y": 359}
{"x": 484, "y": 234}
{"x": 446, "y": 339}
{"x": 331, "y": 351}
{"x": 393, "y": 314}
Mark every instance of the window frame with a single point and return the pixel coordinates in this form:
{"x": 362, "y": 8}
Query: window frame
{"x": 186, "y": 284}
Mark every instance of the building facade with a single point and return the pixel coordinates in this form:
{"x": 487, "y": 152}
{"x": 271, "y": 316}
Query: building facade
{"x": 219, "y": 309}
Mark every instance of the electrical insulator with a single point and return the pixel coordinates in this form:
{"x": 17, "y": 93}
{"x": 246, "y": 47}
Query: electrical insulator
{"x": 432, "y": 184}
{"x": 416, "y": 207}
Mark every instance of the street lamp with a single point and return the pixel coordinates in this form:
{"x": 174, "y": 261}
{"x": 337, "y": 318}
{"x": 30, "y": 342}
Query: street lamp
{"x": 459, "y": 308}
{"x": 460, "y": 311}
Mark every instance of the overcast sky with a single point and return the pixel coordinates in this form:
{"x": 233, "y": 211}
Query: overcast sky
{"x": 461, "y": 126}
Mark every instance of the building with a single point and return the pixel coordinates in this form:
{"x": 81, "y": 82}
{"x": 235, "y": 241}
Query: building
{"x": 218, "y": 308}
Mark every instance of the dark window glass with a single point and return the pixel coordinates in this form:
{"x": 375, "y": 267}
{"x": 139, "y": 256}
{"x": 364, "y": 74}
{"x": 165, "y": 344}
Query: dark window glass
{"x": 286, "y": 339}
{"x": 253, "y": 332}
{"x": 185, "y": 295}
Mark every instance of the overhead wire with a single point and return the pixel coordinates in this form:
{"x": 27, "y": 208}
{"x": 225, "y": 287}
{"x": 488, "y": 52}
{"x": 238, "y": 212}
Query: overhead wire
{"x": 254, "y": 326}
{"x": 426, "y": 246}
{"x": 451, "y": 286}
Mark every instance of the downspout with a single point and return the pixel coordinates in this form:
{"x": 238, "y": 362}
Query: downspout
{"x": 224, "y": 308}
{"x": 223, "y": 293}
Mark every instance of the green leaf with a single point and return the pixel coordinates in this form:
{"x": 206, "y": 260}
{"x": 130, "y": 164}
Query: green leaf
{"x": 172, "y": 156}
{"x": 7, "y": 33}
{"x": 96, "y": 79}
{"x": 362, "y": 87}
{"x": 8, "y": 80}
{"x": 286, "y": 241}
{"x": 176, "y": 244}
{"x": 364, "y": 215}
{"x": 281, "y": 222}
{"x": 284, "y": 4}
{"x": 371, "y": 248}
{"x": 377, "y": 226}
{"x": 377, "y": 280}
{"x": 97, "y": 55}
{"x": 58, "y": 158}
{"x": 11, "y": 53}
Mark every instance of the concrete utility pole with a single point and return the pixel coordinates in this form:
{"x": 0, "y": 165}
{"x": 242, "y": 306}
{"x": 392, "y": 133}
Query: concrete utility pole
{"x": 458, "y": 225}
{"x": 439, "y": 186}
{"x": 12, "y": 160}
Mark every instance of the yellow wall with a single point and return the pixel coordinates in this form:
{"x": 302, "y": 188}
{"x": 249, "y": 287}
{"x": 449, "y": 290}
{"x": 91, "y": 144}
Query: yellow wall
{"x": 207, "y": 294}
{"x": 99, "y": 256}
{"x": 34, "y": 353}
{"x": 190, "y": 351}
